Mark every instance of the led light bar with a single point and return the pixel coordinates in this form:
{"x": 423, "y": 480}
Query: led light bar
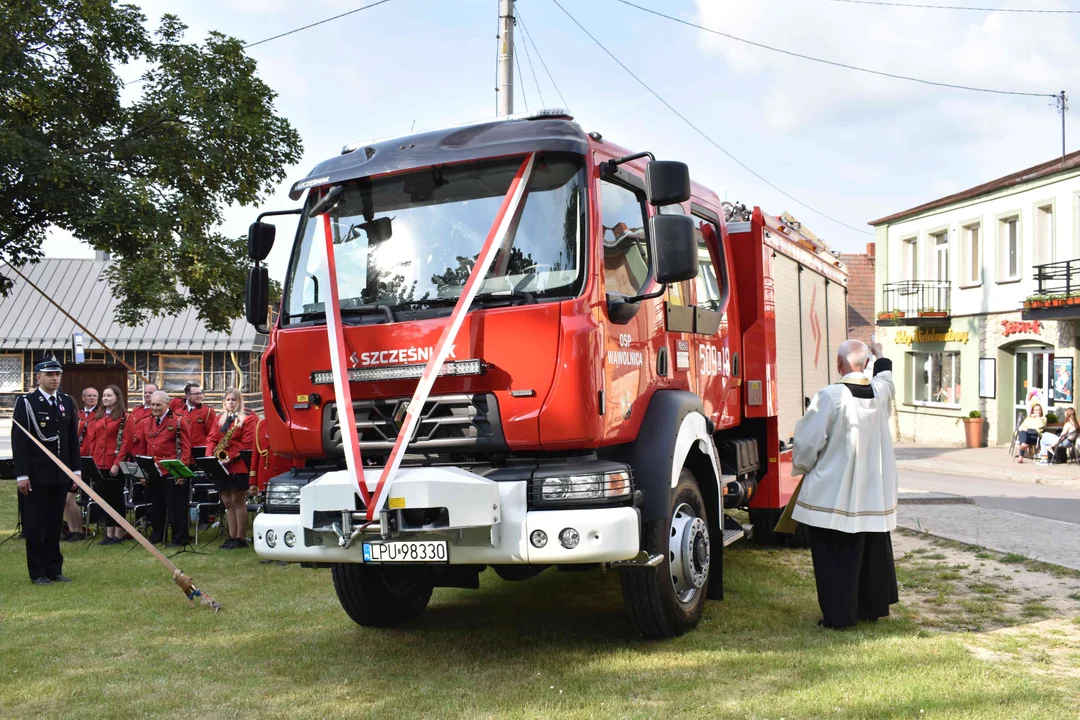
{"x": 401, "y": 372}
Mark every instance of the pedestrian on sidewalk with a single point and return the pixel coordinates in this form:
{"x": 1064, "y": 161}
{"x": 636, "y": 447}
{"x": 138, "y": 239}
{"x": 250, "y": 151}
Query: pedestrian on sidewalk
{"x": 1030, "y": 430}
{"x": 844, "y": 452}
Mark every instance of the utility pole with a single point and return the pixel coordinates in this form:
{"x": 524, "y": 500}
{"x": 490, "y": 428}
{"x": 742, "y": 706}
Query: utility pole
{"x": 506, "y": 57}
{"x": 1063, "y": 107}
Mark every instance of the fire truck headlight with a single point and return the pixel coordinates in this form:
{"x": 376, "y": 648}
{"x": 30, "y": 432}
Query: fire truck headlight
{"x": 282, "y": 494}
{"x": 569, "y": 538}
{"x": 586, "y": 487}
{"x": 271, "y": 539}
{"x": 538, "y": 538}
{"x": 290, "y": 538}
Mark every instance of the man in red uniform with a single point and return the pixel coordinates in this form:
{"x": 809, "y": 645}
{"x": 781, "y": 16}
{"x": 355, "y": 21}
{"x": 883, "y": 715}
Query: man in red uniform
{"x": 164, "y": 436}
{"x": 72, "y": 512}
{"x": 198, "y": 417}
{"x": 141, "y": 412}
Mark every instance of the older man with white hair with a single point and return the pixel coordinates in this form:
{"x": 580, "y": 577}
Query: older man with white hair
{"x": 844, "y": 452}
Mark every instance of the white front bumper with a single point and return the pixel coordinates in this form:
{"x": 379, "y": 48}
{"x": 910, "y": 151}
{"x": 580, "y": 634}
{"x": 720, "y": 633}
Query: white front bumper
{"x": 493, "y": 516}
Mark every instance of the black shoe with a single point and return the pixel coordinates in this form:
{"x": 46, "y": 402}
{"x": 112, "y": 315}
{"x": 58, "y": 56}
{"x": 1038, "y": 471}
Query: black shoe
{"x": 41, "y": 581}
{"x": 61, "y": 578}
{"x": 77, "y": 537}
{"x": 182, "y": 542}
{"x": 241, "y": 544}
{"x": 66, "y": 537}
{"x": 229, "y": 544}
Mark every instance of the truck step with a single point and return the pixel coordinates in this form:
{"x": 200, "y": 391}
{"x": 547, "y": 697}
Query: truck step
{"x": 733, "y": 534}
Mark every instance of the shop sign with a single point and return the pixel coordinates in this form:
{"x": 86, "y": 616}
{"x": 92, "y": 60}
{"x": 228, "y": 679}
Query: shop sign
{"x": 906, "y": 337}
{"x": 1012, "y": 327}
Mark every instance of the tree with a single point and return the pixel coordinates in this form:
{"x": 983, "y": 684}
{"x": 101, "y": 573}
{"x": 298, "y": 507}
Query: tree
{"x": 142, "y": 171}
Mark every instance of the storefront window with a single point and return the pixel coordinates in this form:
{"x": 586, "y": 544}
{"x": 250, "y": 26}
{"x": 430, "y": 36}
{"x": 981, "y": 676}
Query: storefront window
{"x": 937, "y": 378}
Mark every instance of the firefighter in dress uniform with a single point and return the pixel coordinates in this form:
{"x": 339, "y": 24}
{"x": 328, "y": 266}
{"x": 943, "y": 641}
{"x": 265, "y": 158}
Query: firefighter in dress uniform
{"x": 233, "y": 433}
{"x": 164, "y": 436}
{"x": 50, "y": 415}
{"x": 109, "y": 440}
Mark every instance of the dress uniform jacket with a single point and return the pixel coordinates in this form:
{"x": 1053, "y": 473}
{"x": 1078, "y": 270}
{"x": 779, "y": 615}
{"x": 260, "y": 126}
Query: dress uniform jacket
{"x": 138, "y": 414}
{"x": 167, "y": 440}
{"x": 109, "y": 440}
{"x": 242, "y": 439}
{"x": 56, "y": 427}
{"x": 85, "y": 416}
{"x": 199, "y": 420}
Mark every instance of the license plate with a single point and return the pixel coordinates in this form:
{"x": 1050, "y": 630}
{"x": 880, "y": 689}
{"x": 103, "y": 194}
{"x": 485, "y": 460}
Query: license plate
{"x": 427, "y": 551}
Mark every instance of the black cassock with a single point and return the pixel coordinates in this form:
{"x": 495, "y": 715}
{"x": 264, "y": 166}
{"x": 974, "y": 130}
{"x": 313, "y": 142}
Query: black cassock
{"x": 854, "y": 572}
{"x": 57, "y": 428}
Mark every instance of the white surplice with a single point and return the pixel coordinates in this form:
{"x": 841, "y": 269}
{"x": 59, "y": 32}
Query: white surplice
{"x": 845, "y": 453}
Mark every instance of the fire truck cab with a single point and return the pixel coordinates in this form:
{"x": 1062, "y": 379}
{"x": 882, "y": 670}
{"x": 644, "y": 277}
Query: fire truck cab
{"x": 611, "y": 391}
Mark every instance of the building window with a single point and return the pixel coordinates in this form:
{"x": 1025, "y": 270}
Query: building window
{"x": 972, "y": 258}
{"x": 176, "y": 371}
{"x": 626, "y": 252}
{"x": 11, "y": 373}
{"x": 1009, "y": 248}
{"x": 910, "y": 261}
{"x": 940, "y": 244}
{"x": 936, "y": 378}
{"x": 1044, "y": 234}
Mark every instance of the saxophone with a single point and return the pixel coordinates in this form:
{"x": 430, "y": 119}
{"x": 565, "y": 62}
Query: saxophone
{"x": 221, "y": 451}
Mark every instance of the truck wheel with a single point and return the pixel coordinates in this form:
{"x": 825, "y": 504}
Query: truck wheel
{"x": 668, "y": 600}
{"x": 381, "y": 597}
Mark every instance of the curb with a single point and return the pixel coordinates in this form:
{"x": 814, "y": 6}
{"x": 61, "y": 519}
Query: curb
{"x": 1072, "y": 483}
{"x": 933, "y": 499}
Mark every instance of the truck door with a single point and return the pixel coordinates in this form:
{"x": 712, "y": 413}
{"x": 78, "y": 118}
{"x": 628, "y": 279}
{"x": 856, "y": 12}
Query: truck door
{"x": 716, "y": 351}
{"x": 627, "y": 357}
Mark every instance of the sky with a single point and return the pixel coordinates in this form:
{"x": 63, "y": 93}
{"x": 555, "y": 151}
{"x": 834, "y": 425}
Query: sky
{"x": 853, "y": 146}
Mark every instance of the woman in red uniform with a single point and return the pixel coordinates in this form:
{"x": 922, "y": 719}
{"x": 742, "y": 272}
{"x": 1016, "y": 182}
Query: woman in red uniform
{"x": 109, "y": 441}
{"x": 234, "y": 431}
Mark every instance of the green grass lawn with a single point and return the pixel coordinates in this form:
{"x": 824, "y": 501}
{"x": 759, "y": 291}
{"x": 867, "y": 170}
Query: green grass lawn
{"x": 121, "y": 641}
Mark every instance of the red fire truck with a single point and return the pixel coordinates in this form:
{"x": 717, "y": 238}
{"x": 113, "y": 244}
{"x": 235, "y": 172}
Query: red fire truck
{"x": 629, "y": 365}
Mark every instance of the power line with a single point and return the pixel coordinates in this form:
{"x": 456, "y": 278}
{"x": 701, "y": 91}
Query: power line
{"x": 528, "y": 37}
{"x": 533, "y": 70}
{"x": 956, "y": 7}
{"x": 832, "y": 62}
{"x": 294, "y": 31}
{"x": 701, "y": 132}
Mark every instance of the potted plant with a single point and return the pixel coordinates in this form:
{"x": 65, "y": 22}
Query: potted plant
{"x": 973, "y": 429}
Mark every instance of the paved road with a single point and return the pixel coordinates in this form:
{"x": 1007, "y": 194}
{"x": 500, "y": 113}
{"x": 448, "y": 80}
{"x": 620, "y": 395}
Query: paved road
{"x": 1043, "y": 501}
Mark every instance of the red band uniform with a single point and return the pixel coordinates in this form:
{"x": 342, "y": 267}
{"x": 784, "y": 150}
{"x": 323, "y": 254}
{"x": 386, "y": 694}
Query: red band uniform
{"x": 199, "y": 420}
{"x": 85, "y": 416}
{"x": 242, "y": 439}
{"x": 109, "y": 440}
{"x": 166, "y": 439}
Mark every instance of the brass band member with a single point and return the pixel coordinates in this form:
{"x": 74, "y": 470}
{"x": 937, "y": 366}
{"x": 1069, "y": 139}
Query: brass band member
{"x": 163, "y": 436}
{"x": 110, "y": 438}
{"x": 234, "y": 431}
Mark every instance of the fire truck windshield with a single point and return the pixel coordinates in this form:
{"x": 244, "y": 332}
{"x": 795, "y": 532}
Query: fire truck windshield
{"x": 411, "y": 240}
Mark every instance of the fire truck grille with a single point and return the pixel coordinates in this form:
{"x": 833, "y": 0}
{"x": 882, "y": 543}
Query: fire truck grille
{"x": 447, "y": 423}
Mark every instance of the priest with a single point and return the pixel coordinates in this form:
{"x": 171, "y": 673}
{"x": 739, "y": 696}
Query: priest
{"x": 848, "y": 496}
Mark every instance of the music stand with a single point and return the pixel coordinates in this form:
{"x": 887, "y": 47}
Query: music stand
{"x": 198, "y": 451}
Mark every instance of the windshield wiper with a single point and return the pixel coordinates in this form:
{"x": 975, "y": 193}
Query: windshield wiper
{"x": 376, "y": 308}
{"x": 507, "y": 295}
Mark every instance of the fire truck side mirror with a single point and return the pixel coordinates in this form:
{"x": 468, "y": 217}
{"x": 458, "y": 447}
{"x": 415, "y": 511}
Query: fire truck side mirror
{"x": 260, "y": 240}
{"x": 258, "y": 297}
{"x": 674, "y": 248}
{"x": 667, "y": 182}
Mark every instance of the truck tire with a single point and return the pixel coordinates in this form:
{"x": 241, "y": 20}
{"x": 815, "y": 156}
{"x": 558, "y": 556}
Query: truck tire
{"x": 669, "y": 599}
{"x": 381, "y": 597}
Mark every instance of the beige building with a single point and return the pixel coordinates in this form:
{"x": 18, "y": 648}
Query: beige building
{"x": 978, "y": 301}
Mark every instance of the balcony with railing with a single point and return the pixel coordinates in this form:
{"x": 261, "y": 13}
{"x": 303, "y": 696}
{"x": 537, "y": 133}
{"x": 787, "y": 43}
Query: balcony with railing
{"x": 1057, "y": 292}
{"x": 915, "y": 302}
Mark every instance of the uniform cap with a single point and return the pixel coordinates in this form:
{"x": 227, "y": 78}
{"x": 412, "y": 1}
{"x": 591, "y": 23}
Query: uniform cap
{"x": 48, "y": 365}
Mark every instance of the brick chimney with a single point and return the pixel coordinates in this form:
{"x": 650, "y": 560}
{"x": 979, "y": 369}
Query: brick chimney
{"x": 870, "y": 249}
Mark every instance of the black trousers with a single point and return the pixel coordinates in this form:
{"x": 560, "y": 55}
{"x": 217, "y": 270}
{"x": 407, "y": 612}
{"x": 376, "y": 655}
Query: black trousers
{"x": 43, "y": 516}
{"x": 179, "y": 514}
{"x": 155, "y": 495}
{"x": 111, "y": 491}
{"x": 855, "y": 575}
